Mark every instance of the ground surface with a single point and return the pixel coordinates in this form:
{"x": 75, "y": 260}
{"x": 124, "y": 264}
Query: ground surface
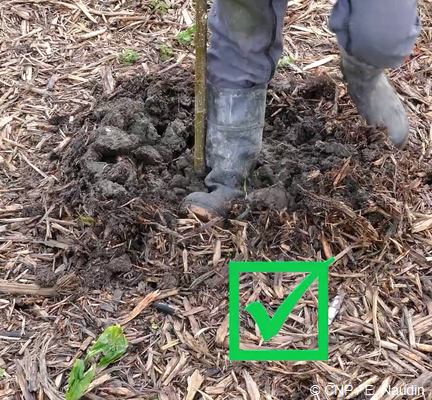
{"x": 95, "y": 157}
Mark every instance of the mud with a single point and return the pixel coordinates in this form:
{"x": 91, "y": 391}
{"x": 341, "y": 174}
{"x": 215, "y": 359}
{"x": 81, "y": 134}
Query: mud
{"x": 99, "y": 271}
{"x": 274, "y": 198}
{"x": 138, "y": 145}
{"x": 139, "y": 148}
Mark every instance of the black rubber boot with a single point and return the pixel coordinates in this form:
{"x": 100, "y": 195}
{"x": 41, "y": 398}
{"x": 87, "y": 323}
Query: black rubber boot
{"x": 235, "y": 122}
{"x": 376, "y": 99}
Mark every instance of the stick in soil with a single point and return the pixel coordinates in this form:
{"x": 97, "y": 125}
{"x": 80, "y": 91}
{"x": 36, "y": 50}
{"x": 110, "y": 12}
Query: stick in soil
{"x": 22, "y": 288}
{"x": 200, "y": 84}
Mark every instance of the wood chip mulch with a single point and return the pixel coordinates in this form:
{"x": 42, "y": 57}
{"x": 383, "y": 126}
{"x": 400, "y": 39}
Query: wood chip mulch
{"x": 54, "y": 55}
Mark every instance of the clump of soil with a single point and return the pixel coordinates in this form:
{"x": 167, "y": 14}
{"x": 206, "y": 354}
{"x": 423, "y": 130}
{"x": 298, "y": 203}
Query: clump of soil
{"x": 45, "y": 277}
{"x": 98, "y": 272}
{"x": 271, "y": 198}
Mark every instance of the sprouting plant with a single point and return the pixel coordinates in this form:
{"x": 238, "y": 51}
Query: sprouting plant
{"x": 159, "y": 6}
{"x": 165, "y": 52}
{"x": 87, "y": 220}
{"x": 79, "y": 381}
{"x": 186, "y": 38}
{"x": 285, "y": 61}
{"x": 109, "y": 346}
{"x": 128, "y": 57}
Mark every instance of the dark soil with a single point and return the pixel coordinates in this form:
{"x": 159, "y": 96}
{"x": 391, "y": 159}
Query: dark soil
{"x": 131, "y": 161}
{"x": 45, "y": 277}
{"x": 139, "y": 147}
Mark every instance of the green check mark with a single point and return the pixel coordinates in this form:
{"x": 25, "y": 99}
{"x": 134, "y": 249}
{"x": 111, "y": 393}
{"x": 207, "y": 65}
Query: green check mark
{"x": 270, "y": 327}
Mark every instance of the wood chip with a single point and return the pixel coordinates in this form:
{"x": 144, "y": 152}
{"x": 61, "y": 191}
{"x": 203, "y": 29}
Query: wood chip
{"x": 222, "y": 331}
{"x": 388, "y": 345}
{"x": 99, "y": 381}
{"x": 361, "y": 388}
{"x": 86, "y": 11}
{"x": 380, "y": 393}
{"x": 194, "y": 384}
{"x": 335, "y": 306}
{"x": 319, "y": 63}
{"x": 178, "y": 367}
{"x": 422, "y": 225}
{"x": 408, "y": 320}
{"x": 107, "y": 80}
{"x": 24, "y": 288}
{"x": 22, "y": 382}
{"x": 94, "y": 33}
{"x": 251, "y": 386}
{"x": 217, "y": 253}
{"x": 142, "y": 305}
{"x": 427, "y": 348}
{"x": 342, "y": 174}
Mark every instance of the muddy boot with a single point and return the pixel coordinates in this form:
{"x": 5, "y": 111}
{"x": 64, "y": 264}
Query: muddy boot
{"x": 375, "y": 98}
{"x": 235, "y": 122}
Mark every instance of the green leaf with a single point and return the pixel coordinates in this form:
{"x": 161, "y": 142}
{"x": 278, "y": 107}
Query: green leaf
{"x": 128, "y": 57}
{"x": 186, "y": 37}
{"x": 2, "y": 373}
{"x": 87, "y": 220}
{"x": 165, "y": 53}
{"x": 285, "y": 61}
{"x": 159, "y": 6}
{"x": 79, "y": 381}
{"x": 112, "y": 344}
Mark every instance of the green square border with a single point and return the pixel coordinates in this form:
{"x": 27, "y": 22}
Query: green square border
{"x": 318, "y": 267}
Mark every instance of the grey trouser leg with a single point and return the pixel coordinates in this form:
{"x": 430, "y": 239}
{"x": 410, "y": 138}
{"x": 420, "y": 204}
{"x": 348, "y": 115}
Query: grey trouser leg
{"x": 380, "y": 33}
{"x": 246, "y": 36}
{"x": 245, "y": 42}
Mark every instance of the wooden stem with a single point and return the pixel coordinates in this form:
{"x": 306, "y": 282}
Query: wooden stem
{"x": 200, "y": 84}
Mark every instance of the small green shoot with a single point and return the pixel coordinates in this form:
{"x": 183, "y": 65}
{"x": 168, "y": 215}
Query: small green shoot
{"x": 186, "y": 38}
{"x": 159, "y": 6}
{"x": 128, "y": 57}
{"x": 284, "y": 62}
{"x": 79, "y": 381}
{"x": 165, "y": 53}
{"x": 87, "y": 220}
{"x": 112, "y": 344}
{"x": 2, "y": 373}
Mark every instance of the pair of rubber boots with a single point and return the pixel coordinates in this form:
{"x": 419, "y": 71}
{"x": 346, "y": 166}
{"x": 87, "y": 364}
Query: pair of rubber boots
{"x": 235, "y": 122}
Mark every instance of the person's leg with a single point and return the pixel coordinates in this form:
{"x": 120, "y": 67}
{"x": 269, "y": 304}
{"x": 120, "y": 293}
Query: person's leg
{"x": 375, "y": 35}
{"x": 245, "y": 46}
{"x": 246, "y": 42}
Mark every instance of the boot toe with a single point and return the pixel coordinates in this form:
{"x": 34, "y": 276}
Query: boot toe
{"x": 399, "y": 131}
{"x": 206, "y": 206}
{"x": 393, "y": 118}
{"x": 389, "y": 114}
